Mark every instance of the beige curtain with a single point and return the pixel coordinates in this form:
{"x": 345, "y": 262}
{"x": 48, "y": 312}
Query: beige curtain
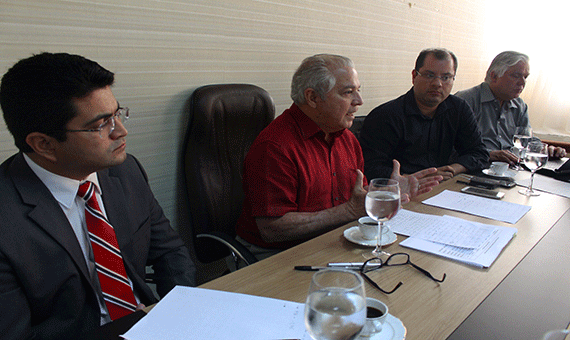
{"x": 549, "y": 106}
{"x": 538, "y": 29}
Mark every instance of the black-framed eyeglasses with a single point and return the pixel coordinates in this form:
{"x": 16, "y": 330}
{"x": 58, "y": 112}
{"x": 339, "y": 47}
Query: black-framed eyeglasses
{"x": 108, "y": 126}
{"x": 396, "y": 259}
{"x": 445, "y": 79}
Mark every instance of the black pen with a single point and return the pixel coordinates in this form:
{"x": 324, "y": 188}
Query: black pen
{"x": 345, "y": 265}
{"x": 309, "y": 268}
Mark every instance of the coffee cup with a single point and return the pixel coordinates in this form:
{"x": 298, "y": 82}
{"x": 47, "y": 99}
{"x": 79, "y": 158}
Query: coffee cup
{"x": 368, "y": 228}
{"x": 376, "y": 312}
{"x": 499, "y": 168}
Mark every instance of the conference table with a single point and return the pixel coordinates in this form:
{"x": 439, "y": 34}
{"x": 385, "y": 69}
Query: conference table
{"x": 523, "y": 294}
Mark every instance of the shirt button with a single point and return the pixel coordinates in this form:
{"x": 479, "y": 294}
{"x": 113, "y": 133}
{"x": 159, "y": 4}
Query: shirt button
{"x": 334, "y": 173}
{"x": 336, "y": 198}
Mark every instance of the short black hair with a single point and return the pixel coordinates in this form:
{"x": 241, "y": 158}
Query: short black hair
{"x": 439, "y": 54}
{"x": 36, "y": 94}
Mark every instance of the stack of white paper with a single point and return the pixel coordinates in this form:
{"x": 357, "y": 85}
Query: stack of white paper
{"x": 469, "y": 242}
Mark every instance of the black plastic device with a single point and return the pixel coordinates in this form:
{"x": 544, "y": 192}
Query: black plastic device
{"x": 483, "y": 192}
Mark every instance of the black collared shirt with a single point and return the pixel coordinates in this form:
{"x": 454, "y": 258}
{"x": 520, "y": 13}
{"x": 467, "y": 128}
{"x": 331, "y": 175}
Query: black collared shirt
{"x": 398, "y": 130}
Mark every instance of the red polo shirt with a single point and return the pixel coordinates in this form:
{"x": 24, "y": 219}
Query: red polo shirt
{"x": 290, "y": 167}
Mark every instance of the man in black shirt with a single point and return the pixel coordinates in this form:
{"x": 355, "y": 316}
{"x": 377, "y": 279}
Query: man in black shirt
{"x": 426, "y": 127}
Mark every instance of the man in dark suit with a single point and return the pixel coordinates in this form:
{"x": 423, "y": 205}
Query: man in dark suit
{"x": 69, "y": 129}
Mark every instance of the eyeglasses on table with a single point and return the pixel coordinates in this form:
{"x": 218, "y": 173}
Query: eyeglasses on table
{"x": 396, "y": 259}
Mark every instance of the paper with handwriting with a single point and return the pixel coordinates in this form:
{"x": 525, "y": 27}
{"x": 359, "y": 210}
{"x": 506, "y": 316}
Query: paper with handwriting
{"x": 441, "y": 229}
{"x": 481, "y": 257}
{"x": 445, "y": 233}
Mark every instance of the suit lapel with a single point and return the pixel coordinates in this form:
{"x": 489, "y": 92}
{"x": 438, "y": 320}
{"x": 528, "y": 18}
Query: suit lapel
{"x": 114, "y": 201}
{"x": 46, "y": 212}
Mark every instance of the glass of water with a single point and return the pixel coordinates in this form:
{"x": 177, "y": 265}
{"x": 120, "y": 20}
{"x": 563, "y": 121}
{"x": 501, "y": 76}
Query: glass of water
{"x": 382, "y": 203}
{"x": 521, "y": 138}
{"x": 336, "y": 305}
{"x": 535, "y": 158}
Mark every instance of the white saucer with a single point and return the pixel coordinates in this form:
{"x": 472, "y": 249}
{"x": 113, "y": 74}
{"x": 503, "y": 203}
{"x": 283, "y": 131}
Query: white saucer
{"x": 507, "y": 174}
{"x": 354, "y": 235}
{"x": 392, "y": 329}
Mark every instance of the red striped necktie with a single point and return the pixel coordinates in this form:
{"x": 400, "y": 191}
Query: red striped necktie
{"x": 117, "y": 292}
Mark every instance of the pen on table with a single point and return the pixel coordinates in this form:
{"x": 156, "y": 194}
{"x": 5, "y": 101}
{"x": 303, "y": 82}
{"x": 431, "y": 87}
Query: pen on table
{"x": 343, "y": 265}
{"x": 463, "y": 182}
{"x": 350, "y": 264}
{"x": 309, "y": 268}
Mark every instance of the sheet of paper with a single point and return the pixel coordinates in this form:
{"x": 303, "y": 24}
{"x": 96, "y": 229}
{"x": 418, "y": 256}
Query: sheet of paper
{"x": 547, "y": 184}
{"x": 554, "y": 164}
{"x": 408, "y": 223}
{"x": 441, "y": 229}
{"x": 202, "y": 314}
{"x": 479, "y": 206}
{"x": 479, "y": 257}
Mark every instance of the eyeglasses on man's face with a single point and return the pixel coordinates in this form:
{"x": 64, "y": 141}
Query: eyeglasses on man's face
{"x": 396, "y": 259}
{"x": 108, "y": 126}
{"x": 429, "y": 76}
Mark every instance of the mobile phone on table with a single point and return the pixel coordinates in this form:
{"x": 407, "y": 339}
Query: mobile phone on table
{"x": 483, "y": 192}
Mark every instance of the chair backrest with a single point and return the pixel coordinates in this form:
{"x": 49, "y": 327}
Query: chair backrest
{"x": 357, "y": 126}
{"x": 224, "y": 120}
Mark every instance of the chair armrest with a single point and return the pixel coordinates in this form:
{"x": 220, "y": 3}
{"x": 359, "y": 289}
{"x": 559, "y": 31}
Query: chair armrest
{"x": 237, "y": 248}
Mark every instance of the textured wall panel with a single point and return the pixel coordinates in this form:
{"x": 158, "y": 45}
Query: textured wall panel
{"x": 162, "y": 50}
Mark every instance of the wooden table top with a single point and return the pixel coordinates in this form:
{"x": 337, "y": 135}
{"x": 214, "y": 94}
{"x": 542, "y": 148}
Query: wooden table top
{"x": 427, "y": 309}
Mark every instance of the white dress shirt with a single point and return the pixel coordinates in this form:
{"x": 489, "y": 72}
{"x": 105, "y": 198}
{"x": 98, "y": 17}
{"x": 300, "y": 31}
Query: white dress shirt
{"x": 64, "y": 190}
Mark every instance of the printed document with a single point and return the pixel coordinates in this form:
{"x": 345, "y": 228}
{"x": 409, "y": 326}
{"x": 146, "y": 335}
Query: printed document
{"x": 203, "y": 314}
{"x": 479, "y": 206}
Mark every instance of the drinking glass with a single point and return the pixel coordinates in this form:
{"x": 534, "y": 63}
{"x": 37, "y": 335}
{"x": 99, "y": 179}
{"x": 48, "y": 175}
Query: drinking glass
{"x": 382, "y": 203}
{"x": 521, "y": 138}
{"x": 336, "y": 305}
{"x": 535, "y": 158}
{"x": 559, "y": 334}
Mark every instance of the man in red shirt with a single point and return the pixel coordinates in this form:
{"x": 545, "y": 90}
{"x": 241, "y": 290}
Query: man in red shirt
{"x": 303, "y": 174}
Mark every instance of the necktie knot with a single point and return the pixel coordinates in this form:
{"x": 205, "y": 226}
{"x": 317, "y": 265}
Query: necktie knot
{"x": 85, "y": 190}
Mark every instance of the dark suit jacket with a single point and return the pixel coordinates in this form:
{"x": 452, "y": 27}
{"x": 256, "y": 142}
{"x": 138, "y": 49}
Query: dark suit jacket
{"x": 45, "y": 292}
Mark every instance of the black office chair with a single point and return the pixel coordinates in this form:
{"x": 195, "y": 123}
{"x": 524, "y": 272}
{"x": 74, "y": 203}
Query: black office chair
{"x": 224, "y": 120}
{"x": 357, "y": 126}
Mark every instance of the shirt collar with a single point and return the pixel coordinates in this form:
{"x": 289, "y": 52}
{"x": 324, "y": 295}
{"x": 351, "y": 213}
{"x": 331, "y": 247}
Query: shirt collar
{"x": 488, "y": 96}
{"x": 307, "y": 126}
{"x": 63, "y": 189}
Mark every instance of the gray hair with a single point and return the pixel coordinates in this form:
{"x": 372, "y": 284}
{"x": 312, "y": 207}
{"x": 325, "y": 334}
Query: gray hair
{"x": 503, "y": 61}
{"x": 316, "y": 72}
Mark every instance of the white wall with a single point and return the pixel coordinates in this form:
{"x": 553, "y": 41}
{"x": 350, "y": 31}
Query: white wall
{"x": 162, "y": 50}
